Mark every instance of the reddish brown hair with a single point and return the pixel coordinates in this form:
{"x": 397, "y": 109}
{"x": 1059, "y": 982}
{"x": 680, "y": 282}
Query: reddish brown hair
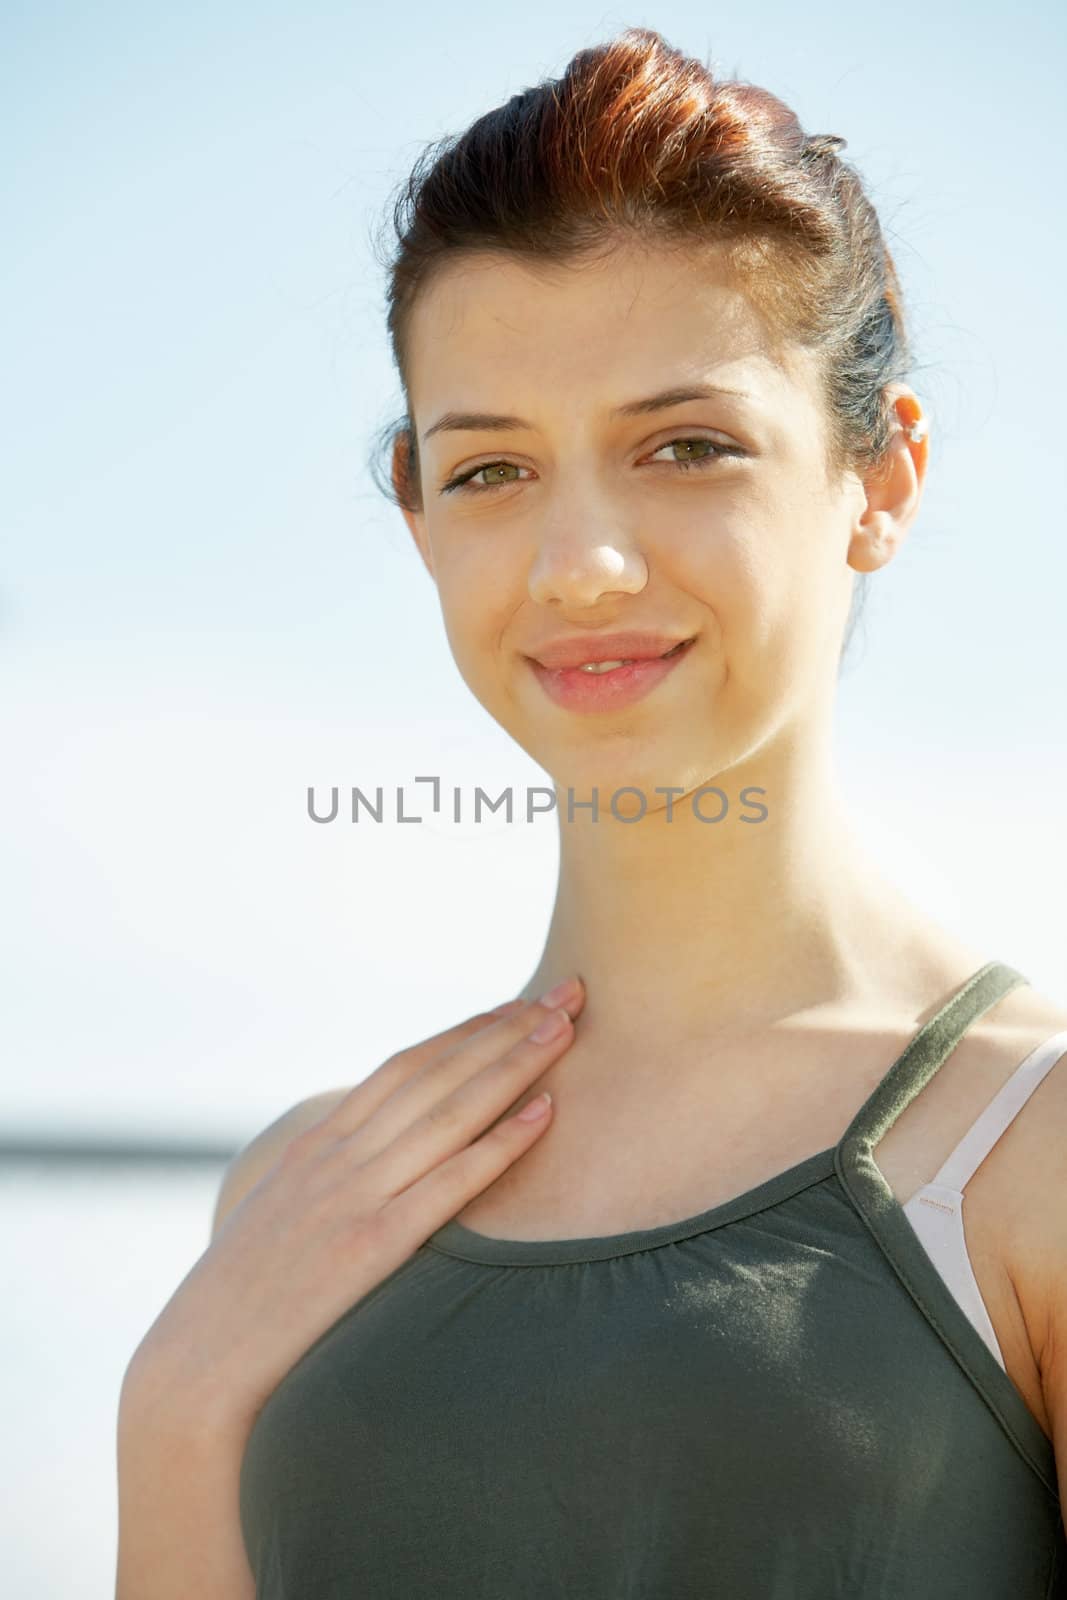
{"x": 638, "y": 139}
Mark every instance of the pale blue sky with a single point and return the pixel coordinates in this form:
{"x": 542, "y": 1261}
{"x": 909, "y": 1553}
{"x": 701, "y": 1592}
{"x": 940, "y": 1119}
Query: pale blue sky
{"x": 206, "y": 605}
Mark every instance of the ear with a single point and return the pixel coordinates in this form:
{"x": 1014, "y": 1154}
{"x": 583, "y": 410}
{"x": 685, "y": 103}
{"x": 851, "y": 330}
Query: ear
{"x": 415, "y": 520}
{"x": 893, "y": 490}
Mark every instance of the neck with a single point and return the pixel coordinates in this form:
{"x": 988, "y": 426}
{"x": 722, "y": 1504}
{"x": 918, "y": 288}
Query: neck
{"x": 686, "y": 928}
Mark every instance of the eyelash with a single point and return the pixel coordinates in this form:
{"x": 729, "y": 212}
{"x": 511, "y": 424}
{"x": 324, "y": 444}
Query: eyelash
{"x": 462, "y": 481}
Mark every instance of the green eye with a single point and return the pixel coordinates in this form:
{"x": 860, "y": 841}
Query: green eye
{"x": 464, "y": 481}
{"x": 714, "y": 451}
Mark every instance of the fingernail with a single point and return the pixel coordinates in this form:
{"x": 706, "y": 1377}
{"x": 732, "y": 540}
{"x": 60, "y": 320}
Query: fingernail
{"x": 534, "y": 1108}
{"x": 562, "y": 991}
{"x": 555, "y": 1023}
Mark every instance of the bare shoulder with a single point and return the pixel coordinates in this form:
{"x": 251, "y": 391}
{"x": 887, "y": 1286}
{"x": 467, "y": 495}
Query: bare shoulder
{"x": 1034, "y": 1202}
{"x": 1038, "y": 1132}
{"x": 1034, "y": 1141}
{"x": 1031, "y": 1160}
{"x": 260, "y": 1153}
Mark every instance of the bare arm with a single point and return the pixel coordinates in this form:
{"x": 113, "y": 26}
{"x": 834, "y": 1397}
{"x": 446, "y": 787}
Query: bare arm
{"x": 179, "y": 1519}
{"x": 328, "y": 1200}
{"x": 179, "y": 1522}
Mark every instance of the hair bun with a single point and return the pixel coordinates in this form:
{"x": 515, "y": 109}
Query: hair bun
{"x": 823, "y": 144}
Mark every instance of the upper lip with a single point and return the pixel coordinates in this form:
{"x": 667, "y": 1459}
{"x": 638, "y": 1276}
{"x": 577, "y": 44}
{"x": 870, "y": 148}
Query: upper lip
{"x": 576, "y": 649}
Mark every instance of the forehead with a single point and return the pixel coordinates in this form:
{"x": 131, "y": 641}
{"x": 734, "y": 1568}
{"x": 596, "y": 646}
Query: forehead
{"x": 635, "y": 319}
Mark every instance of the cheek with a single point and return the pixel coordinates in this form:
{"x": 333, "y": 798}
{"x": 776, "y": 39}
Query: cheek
{"x": 473, "y": 575}
{"x": 763, "y": 552}
{"x": 475, "y": 616}
{"x": 750, "y": 576}
{"x": 724, "y": 565}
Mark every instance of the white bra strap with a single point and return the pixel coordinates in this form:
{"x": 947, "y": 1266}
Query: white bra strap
{"x": 1001, "y": 1110}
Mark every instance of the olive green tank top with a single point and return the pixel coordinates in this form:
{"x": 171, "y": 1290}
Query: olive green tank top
{"x": 778, "y": 1399}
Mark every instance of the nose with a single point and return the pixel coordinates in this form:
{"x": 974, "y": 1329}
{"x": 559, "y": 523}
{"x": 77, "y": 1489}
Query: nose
{"x": 579, "y": 573}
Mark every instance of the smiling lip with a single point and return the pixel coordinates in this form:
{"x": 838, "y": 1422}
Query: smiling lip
{"x": 576, "y": 690}
{"x": 576, "y": 649}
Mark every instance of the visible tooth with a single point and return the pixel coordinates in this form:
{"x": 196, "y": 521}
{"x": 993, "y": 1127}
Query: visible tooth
{"x": 603, "y": 666}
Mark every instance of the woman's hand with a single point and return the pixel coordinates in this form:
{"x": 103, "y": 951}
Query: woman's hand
{"x": 347, "y": 1202}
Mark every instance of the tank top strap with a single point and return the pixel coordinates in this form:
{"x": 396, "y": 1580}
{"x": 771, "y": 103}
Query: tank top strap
{"x": 875, "y": 1202}
{"x": 925, "y": 1052}
{"x": 1002, "y": 1110}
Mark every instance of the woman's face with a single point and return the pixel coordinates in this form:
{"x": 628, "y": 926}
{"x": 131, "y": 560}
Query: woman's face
{"x": 708, "y": 518}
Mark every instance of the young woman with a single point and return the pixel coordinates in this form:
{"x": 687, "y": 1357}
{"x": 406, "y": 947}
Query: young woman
{"x": 709, "y": 1324}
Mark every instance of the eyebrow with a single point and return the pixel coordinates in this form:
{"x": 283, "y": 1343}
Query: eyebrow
{"x": 493, "y": 422}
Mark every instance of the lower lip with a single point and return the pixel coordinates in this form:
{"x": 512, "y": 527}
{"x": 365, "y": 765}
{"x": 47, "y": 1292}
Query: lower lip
{"x": 576, "y": 690}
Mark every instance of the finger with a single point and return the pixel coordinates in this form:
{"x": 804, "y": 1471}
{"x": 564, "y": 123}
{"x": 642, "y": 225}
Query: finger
{"x": 426, "y": 1205}
{"x": 450, "y": 1123}
{"x": 415, "y": 1096}
{"x": 365, "y": 1097}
